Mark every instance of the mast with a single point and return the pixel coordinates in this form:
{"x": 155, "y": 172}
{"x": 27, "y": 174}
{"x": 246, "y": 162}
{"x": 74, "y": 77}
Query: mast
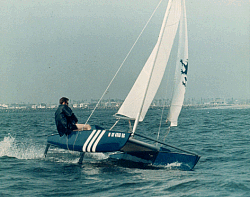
{"x": 140, "y": 97}
{"x": 158, "y": 44}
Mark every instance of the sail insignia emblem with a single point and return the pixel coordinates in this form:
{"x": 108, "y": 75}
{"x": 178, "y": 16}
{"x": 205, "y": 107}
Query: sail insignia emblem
{"x": 184, "y": 71}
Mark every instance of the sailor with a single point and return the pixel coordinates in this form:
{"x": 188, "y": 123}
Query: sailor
{"x": 66, "y": 121}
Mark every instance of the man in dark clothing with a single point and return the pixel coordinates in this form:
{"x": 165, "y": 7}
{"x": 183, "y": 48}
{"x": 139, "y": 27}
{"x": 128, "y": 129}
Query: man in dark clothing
{"x": 66, "y": 121}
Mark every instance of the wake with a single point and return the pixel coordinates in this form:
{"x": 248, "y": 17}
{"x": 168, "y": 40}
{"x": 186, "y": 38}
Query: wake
{"x": 21, "y": 150}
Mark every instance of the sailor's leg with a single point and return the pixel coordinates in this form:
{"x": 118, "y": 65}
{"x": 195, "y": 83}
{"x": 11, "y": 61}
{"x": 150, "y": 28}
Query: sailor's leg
{"x": 81, "y": 157}
{"x": 83, "y": 127}
{"x": 46, "y": 150}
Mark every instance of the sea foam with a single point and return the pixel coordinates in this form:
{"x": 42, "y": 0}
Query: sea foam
{"x": 10, "y": 147}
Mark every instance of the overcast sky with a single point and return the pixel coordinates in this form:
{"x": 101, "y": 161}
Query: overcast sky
{"x": 55, "y": 48}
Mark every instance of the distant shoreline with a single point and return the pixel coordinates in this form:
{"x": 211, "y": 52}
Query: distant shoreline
{"x": 197, "y": 106}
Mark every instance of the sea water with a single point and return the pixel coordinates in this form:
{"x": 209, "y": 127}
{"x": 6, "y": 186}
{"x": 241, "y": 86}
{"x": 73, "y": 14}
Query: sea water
{"x": 221, "y": 136}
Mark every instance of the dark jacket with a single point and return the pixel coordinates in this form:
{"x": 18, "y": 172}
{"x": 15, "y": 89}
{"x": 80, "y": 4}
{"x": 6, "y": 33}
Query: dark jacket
{"x": 65, "y": 120}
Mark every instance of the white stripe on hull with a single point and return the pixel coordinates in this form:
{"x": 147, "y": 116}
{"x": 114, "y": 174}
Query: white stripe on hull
{"x": 92, "y": 141}
{"x": 87, "y": 141}
{"x": 97, "y": 141}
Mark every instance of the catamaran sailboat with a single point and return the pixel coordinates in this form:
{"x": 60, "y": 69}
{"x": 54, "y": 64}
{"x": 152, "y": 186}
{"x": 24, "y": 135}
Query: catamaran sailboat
{"x": 125, "y": 145}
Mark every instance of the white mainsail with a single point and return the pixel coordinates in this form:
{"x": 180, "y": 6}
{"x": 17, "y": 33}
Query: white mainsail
{"x": 180, "y": 72}
{"x": 143, "y": 92}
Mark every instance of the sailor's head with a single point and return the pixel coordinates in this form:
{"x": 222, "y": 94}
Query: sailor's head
{"x": 64, "y": 101}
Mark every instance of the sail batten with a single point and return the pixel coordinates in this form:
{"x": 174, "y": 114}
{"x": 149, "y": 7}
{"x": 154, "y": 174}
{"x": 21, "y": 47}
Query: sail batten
{"x": 143, "y": 92}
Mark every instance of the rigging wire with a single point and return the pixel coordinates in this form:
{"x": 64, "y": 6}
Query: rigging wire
{"x": 158, "y": 135}
{"x": 168, "y": 130}
{"x": 159, "y": 130}
{"x": 114, "y": 124}
{"x": 123, "y": 62}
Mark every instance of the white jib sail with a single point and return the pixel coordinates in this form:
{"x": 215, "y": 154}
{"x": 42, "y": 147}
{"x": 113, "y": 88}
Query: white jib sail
{"x": 143, "y": 92}
{"x": 181, "y": 71}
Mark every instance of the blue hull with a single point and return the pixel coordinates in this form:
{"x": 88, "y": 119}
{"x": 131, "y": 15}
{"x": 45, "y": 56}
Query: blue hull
{"x": 124, "y": 147}
{"x": 91, "y": 141}
{"x": 182, "y": 161}
{"x": 174, "y": 160}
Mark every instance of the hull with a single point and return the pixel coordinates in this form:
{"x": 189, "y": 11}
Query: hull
{"x": 169, "y": 159}
{"x": 124, "y": 147}
{"x": 155, "y": 156}
{"x": 90, "y": 141}
{"x": 181, "y": 160}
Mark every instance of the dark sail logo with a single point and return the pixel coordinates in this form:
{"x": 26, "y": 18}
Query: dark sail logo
{"x": 184, "y": 71}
